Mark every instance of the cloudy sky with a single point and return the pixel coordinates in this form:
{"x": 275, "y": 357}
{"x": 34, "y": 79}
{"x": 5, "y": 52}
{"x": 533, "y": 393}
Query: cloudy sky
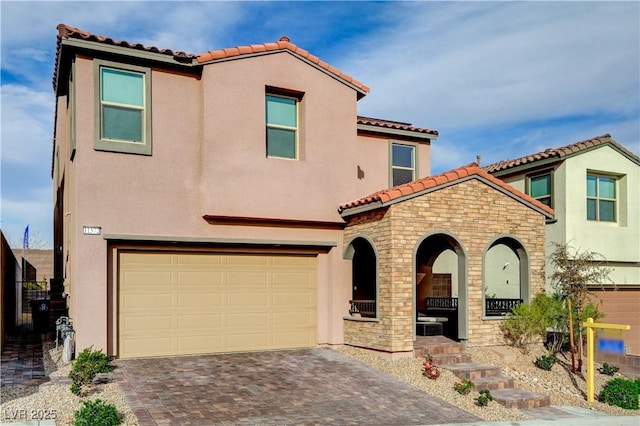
{"x": 499, "y": 79}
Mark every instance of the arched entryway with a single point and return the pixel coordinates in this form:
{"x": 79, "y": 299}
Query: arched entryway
{"x": 364, "y": 277}
{"x": 505, "y": 276}
{"x": 440, "y": 284}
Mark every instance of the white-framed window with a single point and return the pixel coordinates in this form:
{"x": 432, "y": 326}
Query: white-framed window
{"x": 540, "y": 187}
{"x": 123, "y": 108}
{"x": 282, "y": 126}
{"x": 601, "y": 198}
{"x": 403, "y": 163}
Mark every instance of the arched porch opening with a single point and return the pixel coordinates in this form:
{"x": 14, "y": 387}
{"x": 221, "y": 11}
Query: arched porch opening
{"x": 364, "y": 277}
{"x": 441, "y": 287}
{"x": 505, "y": 276}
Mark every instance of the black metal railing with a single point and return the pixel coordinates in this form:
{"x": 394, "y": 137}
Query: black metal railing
{"x": 365, "y": 308}
{"x": 495, "y": 307}
{"x": 450, "y": 303}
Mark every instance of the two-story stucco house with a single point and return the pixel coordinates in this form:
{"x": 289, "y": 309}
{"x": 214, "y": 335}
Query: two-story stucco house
{"x": 202, "y": 205}
{"x": 594, "y": 188}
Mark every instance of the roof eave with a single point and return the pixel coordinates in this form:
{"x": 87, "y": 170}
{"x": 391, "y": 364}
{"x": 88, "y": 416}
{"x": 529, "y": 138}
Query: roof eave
{"x": 127, "y": 51}
{"x": 396, "y": 132}
{"x": 611, "y": 145}
{"x": 361, "y": 209}
{"x": 528, "y": 166}
{"x": 379, "y": 204}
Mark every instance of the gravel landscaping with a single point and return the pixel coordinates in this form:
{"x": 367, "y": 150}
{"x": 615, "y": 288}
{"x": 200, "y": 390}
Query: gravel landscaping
{"x": 563, "y": 387}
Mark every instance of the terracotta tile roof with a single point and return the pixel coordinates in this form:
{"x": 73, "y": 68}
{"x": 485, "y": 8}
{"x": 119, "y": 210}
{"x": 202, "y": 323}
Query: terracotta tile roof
{"x": 561, "y": 153}
{"x": 397, "y": 125}
{"x": 72, "y": 32}
{"x": 66, "y": 31}
{"x": 431, "y": 183}
{"x": 283, "y": 44}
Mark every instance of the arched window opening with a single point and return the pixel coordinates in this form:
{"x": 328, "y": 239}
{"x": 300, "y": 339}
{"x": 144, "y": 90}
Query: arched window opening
{"x": 505, "y": 276}
{"x": 364, "y": 279}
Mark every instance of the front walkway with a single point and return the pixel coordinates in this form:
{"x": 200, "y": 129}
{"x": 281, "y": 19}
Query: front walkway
{"x": 305, "y": 386}
{"x": 22, "y": 360}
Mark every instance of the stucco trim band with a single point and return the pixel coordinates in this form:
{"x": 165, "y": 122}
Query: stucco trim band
{"x": 324, "y": 245}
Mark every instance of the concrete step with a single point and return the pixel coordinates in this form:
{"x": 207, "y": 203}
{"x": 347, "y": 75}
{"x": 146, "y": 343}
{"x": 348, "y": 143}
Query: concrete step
{"x": 447, "y": 359}
{"x": 493, "y": 383}
{"x": 520, "y": 398}
{"x": 472, "y": 371}
{"x": 424, "y": 346}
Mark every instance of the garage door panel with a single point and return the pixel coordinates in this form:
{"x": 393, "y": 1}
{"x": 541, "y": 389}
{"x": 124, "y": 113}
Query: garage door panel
{"x": 247, "y": 279}
{"x": 248, "y": 319}
{"x": 183, "y": 303}
{"x": 200, "y": 301}
{"x": 143, "y": 259}
{"x": 148, "y": 346}
{"x": 198, "y": 322}
{"x": 247, "y": 260}
{"x": 247, "y": 341}
{"x": 247, "y": 300}
{"x": 139, "y": 301}
{"x": 146, "y": 279}
{"x": 198, "y": 344}
{"x": 199, "y": 259}
{"x": 289, "y": 262}
{"x": 142, "y": 324}
{"x": 200, "y": 278}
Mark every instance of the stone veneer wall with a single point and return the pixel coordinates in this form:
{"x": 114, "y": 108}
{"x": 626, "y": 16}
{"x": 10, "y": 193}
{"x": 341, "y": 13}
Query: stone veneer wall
{"x": 474, "y": 213}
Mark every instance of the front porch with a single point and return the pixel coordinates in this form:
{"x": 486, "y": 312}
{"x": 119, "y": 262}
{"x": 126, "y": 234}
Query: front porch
{"x": 437, "y": 256}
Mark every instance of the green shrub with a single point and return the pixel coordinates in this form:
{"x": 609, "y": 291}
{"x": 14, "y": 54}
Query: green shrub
{"x": 526, "y": 322}
{"x": 483, "y": 399}
{"x": 97, "y": 413}
{"x": 609, "y": 370}
{"x": 621, "y": 392}
{"x": 464, "y": 387}
{"x": 546, "y": 361}
{"x": 85, "y": 368}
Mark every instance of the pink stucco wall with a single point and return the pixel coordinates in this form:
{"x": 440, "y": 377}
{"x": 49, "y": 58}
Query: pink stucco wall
{"x": 209, "y": 159}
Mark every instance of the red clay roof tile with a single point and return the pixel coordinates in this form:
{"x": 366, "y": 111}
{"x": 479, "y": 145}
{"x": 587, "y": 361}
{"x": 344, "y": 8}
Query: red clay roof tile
{"x": 66, "y": 31}
{"x": 376, "y": 122}
{"x": 562, "y": 152}
{"x": 433, "y": 182}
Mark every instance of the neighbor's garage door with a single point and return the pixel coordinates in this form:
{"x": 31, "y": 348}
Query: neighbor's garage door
{"x": 186, "y": 303}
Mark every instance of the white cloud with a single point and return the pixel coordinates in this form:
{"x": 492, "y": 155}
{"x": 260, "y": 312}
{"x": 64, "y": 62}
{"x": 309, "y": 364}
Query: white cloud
{"x": 481, "y": 63}
{"x": 27, "y": 125}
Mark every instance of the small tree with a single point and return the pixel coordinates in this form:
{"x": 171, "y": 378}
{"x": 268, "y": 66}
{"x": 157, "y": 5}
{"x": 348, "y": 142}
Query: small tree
{"x": 573, "y": 271}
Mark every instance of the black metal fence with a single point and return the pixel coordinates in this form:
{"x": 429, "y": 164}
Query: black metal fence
{"x": 31, "y": 292}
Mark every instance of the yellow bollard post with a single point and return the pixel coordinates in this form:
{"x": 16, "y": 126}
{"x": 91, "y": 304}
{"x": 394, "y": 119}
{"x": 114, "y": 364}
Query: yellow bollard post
{"x": 591, "y": 379}
{"x": 590, "y": 326}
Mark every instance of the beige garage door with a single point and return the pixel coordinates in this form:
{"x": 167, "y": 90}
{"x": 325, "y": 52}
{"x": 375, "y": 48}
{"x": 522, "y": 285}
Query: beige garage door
{"x": 186, "y": 303}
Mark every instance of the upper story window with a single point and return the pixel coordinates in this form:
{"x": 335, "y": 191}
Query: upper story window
{"x": 403, "y": 160}
{"x": 123, "y": 108}
{"x": 282, "y": 126}
{"x": 540, "y": 187}
{"x": 601, "y": 198}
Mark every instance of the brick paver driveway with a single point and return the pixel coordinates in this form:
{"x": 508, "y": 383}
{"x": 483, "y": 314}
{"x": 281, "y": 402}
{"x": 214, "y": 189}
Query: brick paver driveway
{"x": 306, "y": 386}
